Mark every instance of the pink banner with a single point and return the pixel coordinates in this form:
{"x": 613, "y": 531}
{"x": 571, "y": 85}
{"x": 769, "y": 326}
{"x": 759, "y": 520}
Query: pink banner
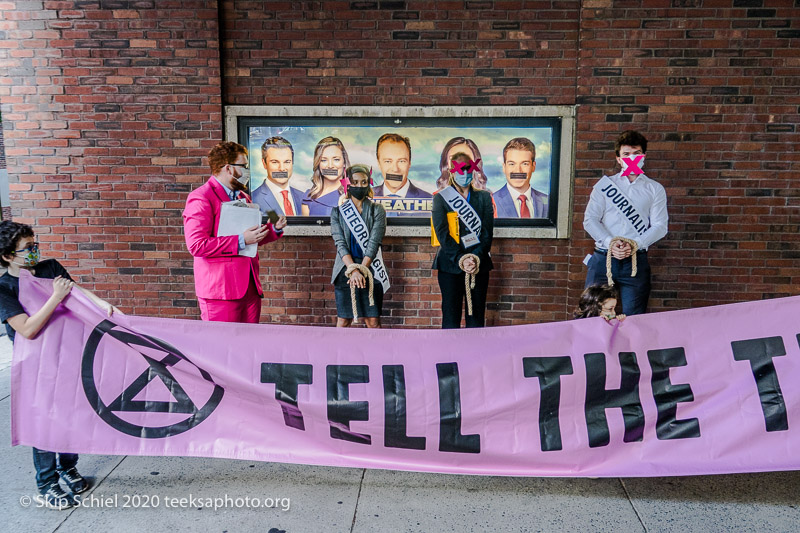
{"x": 700, "y": 391}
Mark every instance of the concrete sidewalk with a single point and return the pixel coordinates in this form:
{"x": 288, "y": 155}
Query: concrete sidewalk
{"x": 181, "y": 494}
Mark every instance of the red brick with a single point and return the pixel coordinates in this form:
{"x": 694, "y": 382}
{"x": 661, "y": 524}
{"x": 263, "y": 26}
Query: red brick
{"x": 94, "y": 182}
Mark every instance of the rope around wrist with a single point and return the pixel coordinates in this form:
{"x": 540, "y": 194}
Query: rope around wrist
{"x": 365, "y": 271}
{"x": 469, "y": 279}
{"x": 634, "y": 248}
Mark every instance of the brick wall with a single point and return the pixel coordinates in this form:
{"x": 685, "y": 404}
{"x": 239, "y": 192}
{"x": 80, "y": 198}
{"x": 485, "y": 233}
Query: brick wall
{"x": 109, "y": 108}
{"x": 716, "y": 86}
{"x": 5, "y": 210}
{"x": 110, "y": 105}
{"x": 2, "y": 148}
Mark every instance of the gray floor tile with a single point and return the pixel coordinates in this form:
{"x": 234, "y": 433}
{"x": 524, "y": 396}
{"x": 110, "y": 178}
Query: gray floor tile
{"x": 743, "y": 502}
{"x": 319, "y": 498}
{"x": 443, "y": 503}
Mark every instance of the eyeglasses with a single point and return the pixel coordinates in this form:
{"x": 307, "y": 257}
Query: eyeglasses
{"x": 33, "y": 247}
{"x": 243, "y": 165}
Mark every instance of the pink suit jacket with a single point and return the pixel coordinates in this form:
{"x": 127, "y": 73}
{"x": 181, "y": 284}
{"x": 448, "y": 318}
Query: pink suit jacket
{"x": 219, "y": 272}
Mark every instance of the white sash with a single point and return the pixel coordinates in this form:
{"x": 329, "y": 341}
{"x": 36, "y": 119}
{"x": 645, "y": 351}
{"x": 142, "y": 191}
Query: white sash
{"x": 466, "y": 214}
{"x": 359, "y": 229}
{"x": 637, "y": 220}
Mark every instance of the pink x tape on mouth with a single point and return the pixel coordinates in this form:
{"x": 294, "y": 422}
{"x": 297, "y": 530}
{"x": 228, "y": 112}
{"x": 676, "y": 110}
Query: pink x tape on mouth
{"x": 632, "y": 165}
{"x": 458, "y": 168}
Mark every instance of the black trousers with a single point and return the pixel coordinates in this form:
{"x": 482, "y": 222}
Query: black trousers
{"x": 454, "y": 294}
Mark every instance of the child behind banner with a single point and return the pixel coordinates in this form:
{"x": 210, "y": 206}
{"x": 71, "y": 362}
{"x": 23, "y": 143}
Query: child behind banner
{"x": 598, "y": 300}
{"x": 19, "y": 250}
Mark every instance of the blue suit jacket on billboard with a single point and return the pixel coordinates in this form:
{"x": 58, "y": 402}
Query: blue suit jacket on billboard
{"x": 507, "y": 209}
{"x": 413, "y": 191}
{"x": 267, "y": 202}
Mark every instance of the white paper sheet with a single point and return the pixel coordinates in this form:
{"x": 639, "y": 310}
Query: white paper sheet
{"x": 234, "y": 219}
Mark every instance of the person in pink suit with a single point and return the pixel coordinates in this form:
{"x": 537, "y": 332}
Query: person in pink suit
{"x": 226, "y": 283}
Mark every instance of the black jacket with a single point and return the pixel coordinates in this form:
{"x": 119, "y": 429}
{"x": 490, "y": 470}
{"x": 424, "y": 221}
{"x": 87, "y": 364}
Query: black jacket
{"x": 451, "y": 251}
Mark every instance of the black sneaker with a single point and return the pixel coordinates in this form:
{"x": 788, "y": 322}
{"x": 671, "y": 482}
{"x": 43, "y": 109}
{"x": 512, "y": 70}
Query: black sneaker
{"x": 56, "y": 498}
{"x": 74, "y": 480}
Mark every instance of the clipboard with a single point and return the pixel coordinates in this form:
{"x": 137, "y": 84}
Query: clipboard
{"x": 452, "y": 226}
{"x": 234, "y": 219}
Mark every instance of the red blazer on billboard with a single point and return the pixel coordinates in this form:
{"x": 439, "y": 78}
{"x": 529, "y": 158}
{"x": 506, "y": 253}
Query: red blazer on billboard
{"x": 219, "y": 272}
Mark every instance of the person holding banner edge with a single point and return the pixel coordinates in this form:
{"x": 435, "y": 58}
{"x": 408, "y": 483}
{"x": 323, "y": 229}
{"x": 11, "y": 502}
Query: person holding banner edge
{"x": 626, "y": 214}
{"x": 598, "y": 300}
{"x": 463, "y": 224}
{"x": 359, "y": 273}
{"x": 19, "y": 250}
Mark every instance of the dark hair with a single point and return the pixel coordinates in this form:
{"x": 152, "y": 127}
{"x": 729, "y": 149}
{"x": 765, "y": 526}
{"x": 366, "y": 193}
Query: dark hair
{"x": 520, "y": 143}
{"x": 478, "y": 178}
{"x": 358, "y": 168}
{"x": 630, "y": 138}
{"x": 224, "y": 153}
{"x": 10, "y": 235}
{"x": 591, "y": 302}
{"x": 395, "y": 138}
{"x": 275, "y": 142}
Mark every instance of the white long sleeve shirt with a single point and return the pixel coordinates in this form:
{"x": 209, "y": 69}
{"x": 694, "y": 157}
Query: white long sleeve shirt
{"x": 604, "y": 221}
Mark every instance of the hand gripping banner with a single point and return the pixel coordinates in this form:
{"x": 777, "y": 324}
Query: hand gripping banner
{"x": 700, "y": 391}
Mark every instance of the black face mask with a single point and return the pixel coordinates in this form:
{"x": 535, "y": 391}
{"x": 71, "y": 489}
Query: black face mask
{"x": 359, "y": 193}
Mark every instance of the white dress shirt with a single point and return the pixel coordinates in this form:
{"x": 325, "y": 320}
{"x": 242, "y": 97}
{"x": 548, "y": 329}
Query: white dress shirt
{"x": 276, "y": 192}
{"x": 604, "y": 221}
{"x": 401, "y": 193}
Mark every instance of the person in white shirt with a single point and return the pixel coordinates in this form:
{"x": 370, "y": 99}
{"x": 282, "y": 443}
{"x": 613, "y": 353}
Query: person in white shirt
{"x": 632, "y": 206}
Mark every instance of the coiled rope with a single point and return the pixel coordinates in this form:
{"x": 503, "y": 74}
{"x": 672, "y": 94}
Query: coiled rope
{"x": 365, "y": 271}
{"x": 469, "y": 279}
{"x": 634, "y": 248}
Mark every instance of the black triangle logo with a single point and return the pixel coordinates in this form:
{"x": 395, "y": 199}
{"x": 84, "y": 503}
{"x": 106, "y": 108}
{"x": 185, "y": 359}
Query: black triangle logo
{"x": 183, "y": 404}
